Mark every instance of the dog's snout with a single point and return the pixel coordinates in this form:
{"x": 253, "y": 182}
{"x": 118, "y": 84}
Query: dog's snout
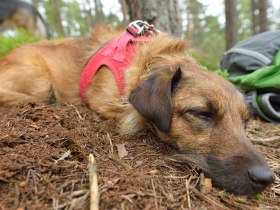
{"x": 261, "y": 176}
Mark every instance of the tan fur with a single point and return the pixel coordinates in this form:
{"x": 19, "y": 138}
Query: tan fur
{"x": 200, "y": 113}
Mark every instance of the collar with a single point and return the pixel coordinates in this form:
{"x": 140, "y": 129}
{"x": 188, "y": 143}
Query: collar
{"x": 117, "y": 55}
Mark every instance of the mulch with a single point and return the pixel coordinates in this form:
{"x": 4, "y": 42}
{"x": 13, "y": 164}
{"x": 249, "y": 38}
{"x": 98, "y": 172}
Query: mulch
{"x": 44, "y": 152}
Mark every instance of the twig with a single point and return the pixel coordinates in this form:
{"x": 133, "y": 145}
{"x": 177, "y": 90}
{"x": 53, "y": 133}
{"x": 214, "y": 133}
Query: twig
{"x": 175, "y": 177}
{"x": 79, "y": 203}
{"x": 127, "y": 197}
{"x": 272, "y": 139}
{"x": 111, "y": 144}
{"x": 69, "y": 183}
{"x": 77, "y": 111}
{"x": 119, "y": 161}
{"x": 208, "y": 200}
{"x": 64, "y": 156}
{"x": 55, "y": 204}
{"x": 2, "y": 137}
{"x": 93, "y": 184}
{"x": 38, "y": 108}
{"x": 188, "y": 192}
{"x": 34, "y": 176}
{"x": 232, "y": 202}
{"x": 78, "y": 193}
{"x": 155, "y": 194}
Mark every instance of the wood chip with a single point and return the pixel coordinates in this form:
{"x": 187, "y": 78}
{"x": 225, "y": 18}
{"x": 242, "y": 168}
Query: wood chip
{"x": 122, "y": 152}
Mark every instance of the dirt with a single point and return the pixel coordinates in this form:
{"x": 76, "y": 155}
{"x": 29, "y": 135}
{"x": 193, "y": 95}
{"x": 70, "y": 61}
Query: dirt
{"x": 44, "y": 153}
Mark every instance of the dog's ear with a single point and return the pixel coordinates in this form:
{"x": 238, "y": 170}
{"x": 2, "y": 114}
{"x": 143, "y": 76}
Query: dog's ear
{"x": 152, "y": 98}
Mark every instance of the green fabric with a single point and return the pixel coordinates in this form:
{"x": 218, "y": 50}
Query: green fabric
{"x": 267, "y": 77}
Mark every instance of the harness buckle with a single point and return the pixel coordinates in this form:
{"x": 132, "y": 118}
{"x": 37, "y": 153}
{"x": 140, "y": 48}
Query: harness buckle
{"x": 140, "y": 28}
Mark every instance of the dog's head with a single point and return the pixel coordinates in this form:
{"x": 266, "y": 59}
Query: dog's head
{"x": 204, "y": 116}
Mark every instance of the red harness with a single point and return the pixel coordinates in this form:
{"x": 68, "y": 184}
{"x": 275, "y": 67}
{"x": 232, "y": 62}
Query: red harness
{"x": 116, "y": 55}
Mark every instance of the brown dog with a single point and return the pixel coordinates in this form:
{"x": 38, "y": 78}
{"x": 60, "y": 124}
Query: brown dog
{"x": 200, "y": 113}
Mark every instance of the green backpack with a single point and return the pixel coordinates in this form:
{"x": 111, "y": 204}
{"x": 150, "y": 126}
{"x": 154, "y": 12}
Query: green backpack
{"x": 254, "y": 65}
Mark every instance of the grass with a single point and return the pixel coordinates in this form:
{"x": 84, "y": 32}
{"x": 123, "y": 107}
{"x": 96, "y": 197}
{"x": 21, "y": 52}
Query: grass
{"x": 8, "y": 43}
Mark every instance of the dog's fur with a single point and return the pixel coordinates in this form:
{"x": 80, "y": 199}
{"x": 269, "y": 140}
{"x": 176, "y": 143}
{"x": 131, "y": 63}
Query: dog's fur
{"x": 200, "y": 113}
{"x": 16, "y": 14}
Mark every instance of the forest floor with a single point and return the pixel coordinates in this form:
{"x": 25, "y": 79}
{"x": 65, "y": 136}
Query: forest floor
{"x": 44, "y": 153}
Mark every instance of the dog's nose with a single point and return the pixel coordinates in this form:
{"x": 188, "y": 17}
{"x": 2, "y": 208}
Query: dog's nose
{"x": 260, "y": 176}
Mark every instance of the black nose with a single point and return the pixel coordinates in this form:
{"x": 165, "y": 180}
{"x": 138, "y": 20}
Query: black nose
{"x": 260, "y": 176}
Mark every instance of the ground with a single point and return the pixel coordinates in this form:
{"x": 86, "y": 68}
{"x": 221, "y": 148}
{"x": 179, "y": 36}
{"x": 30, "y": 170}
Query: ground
{"x": 44, "y": 153}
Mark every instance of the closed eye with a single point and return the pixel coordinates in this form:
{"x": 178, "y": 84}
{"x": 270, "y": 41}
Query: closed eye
{"x": 201, "y": 114}
{"x": 205, "y": 115}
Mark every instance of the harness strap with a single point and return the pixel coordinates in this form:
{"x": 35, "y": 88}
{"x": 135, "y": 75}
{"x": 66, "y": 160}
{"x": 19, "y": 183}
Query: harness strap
{"x": 117, "y": 55}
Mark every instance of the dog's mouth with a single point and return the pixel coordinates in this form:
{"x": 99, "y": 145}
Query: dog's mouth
{"x": 234, "y": 174}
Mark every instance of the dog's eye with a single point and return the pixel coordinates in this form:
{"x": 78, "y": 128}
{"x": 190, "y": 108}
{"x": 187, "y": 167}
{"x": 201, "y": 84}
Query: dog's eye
{"x": 204, "y": 115}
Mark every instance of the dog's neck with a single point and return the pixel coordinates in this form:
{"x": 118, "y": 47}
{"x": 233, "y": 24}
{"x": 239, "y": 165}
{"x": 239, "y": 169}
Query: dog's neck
{"x": 116, "y": 55}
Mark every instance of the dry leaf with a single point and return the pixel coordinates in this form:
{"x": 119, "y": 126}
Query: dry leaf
{"x": 153, "y": 172}
{"x": 122, "y": 152}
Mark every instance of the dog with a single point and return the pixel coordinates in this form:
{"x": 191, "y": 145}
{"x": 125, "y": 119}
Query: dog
{"x": 164, "y": 90}
{"x": 16, "y": 14}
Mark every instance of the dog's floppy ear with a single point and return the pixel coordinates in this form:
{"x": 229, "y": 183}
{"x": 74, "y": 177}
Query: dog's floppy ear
{"x": 152, "y": 98}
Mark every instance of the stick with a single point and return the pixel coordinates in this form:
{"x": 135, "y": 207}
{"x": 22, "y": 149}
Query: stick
{"x": 77, "y": 111}
{"x": 272, "y": 139}
{"x": 155, "y": 194}
{"x": 2, "y": 137}
{"x": 79, "y": 203}
{"x": 119, "y": 161}
{"x": 208, "y": 200}
{"x": 63, "y": 157}
{"x": 188, "y": 192}
{"x": 111, "y": 144}
{"x": 93, "y": 184}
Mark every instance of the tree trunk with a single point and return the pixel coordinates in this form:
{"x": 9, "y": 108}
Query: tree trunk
{"x": 88, "y": 16}
{"x": 189, "y": 29}
{"x": 254, "y": 11}
{"x": 56, "y": 6}
{"x": 231, "y": 23}
{"x": 262, "y": 15}
{"x": 99, "y": 15}
{"x": 164, "y": 14}
{"x": 124, "y": 11}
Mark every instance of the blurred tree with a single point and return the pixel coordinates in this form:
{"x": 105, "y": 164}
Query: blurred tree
{"x": 53, "y": 12}
{"x": 164, "y": 14}
{"x": 259, "y": 16}
{"x": 35, "y": 3}
{"x": 77, "y": 26}
{"x": 87, "y": 13}
{"x": 124, "y": 12}
{"x": 99, "y": 15}
{"x": 206, "y": 33}
{"x": 263, "y": 4}
{"x": 231, "y": 23}
{"x": 254, "y": 16}
{"x": 244, "y": 19}
{"x": 195, "y": 12}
